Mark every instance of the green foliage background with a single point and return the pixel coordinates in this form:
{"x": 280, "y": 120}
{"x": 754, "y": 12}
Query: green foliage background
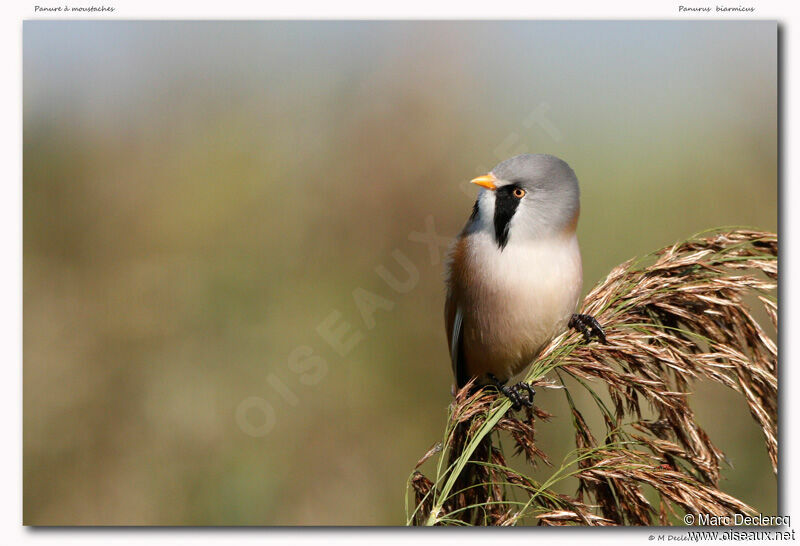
{"x": 200, "y": 196}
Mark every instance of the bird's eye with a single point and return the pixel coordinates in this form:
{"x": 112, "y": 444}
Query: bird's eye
{"x": 519, "y": 193}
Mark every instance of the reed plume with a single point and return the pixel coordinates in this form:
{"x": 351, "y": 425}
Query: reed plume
{"x": 682, "y": 314}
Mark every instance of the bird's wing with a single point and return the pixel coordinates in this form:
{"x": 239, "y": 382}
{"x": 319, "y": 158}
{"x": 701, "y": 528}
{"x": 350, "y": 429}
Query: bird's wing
{"x": 454, "y": 310}
{"x": 454, "y": 317}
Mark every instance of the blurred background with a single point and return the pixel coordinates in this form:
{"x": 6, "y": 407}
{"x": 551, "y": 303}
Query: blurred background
{"x": 212, "y": 211}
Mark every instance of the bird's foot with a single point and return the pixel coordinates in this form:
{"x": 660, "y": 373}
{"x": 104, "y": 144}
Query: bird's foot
{"x": 515, "y": 392}
{"x": 588, "y": 326}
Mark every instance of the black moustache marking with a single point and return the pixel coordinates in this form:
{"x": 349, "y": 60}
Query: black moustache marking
{"x": 474, "y": 211}
{"x": 505, "y": 205}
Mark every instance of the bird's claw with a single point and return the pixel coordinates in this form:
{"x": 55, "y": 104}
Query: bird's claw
{"x": 588, "y": 326}
{"x": 515, "y": 393}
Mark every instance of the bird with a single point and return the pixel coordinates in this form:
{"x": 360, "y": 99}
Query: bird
{"x": 514, "y": 274}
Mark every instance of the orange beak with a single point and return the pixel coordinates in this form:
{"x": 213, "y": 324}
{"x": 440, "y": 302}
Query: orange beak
{"x": 487, "y": 181}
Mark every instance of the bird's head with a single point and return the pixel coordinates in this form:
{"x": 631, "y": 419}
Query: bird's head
{"x": 528, "y": 197}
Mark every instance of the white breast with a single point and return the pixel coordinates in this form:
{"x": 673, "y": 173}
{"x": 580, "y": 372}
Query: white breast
{"x": 523, "y": 296}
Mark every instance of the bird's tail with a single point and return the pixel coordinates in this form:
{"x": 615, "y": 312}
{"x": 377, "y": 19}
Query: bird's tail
{"x": 475, "y": 490}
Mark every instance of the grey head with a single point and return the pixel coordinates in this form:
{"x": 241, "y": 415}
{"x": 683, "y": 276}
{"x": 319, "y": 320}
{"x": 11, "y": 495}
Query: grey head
{"x": 527, "y": 197}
